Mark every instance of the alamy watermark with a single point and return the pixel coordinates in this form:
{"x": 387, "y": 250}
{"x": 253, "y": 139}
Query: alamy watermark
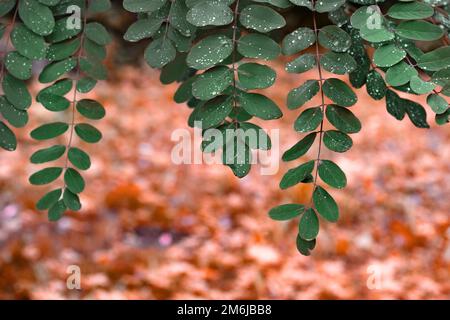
{"x": 231, "y": 146}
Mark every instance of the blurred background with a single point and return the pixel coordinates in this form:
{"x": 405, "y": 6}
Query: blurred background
{"x": 150, "y": 229}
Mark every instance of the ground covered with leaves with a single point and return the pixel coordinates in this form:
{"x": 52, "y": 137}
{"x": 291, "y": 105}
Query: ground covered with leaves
{"x": 150, "y": 229}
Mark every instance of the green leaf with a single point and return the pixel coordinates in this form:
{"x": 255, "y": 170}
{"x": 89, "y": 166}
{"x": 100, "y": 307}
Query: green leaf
{"x": 420, "y": 86}
{"x": 210, "y": 13}
{"x": 301, "y": 64}
{"x": 36, "y": 16}
{"x": 334, "y": 38}
{"x": 338, "y": 62}
{"x": 337, "y": 141}
{"x": 298, "y": 40}
{"x": 71, "y": 200}
{"x": 143, "y": 5}
{"x": 28, "y": 43}
{"x": 259, "y": 106}
{"x": 419, "y": 30}
{"x": 16, "y": 92}
{"x": 255, "y": 76}
{"x": 212, "y": 83}
{"x": 213, "y": 112}
{"x": 88, "y": 133}
{"x": 48, "y": 154}
{"x": 86, "y": 84}
{"x": 49, "y": 131}
{"x": 209, "y": 52}
{"x": 299, "y": 96}
{"x": 376, "y": 87}
{"x": 55, "y": 70}
{"x": 300, "y": 148}
{"x": 435, "y": 60}
{"x": 309, "y": 120}
{"x": 16, "y": 117}
{"x": 388, "y": 55}
{"x": 304, "y": 246}
{"x": 142, "y": 29}
{"x": 261, "y": 141}
{"x": 286, "y": 211}
{"x": 258, "y": 46}
{"x": 343, "y": 119}
{"x": 379, "y": 34}
{"x": 18, "y": 65}
{"x": 410, "y": 11}
{"x": 63, "y": 50}
{"x": 53, "y": 102}
{"x": 91, "y": 109}
{"x": 328, "y": 5}
{"x": 296, "y": 175}
{"x": 416, "y": 114}
{"x": 261, "y": 18}
{"x": 395, "y": 105}
{"x": 79, "y": 158}
{"x": 49, "y": 199}
{"x": 331, "y": 174}
{"x": 56, "y": 211}
{"x": 308, "y": 228}
{"x": 437, "y": 103}
{"x": 338, "y": 91}
{"x": 7, "y": 138}
{"x": 325, "y": 204}
{"x": 400, "y": 74}
{"x": 159, "y": 53}
{"x": 97, "y": 32}
{"x": 45, "y": 176}
{"x": 73, "y": 180}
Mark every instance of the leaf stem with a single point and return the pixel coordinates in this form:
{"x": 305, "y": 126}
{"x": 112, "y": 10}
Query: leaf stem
{"x": 74, "y": 99}
{"x": 322, "y": 106}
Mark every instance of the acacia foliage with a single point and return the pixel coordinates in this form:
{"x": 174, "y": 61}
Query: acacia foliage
{"x": 216, "y": 50}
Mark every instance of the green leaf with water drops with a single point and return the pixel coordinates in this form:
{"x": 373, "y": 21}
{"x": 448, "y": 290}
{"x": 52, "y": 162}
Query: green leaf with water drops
{"x": 210, "y": 13}
{"x": 334, "y": 38}
{"x": 338, "y": 62}
{"x": 309, "y": 120}
{"x": 337, "y": 141}
{"x": 8, "y": 140}
{"x": 261, "y": 18}
{"x": 210, "y": 51}
{"x": 388, "y": 55}
{"x": 299, "y": 96}
{"x": 36, "y": 16}
{"x": 419, "y": 30}
{"x": 376, "y": 87}
{"x": 159, "y": 53}
{"x": 325, "y": 204}
{"x": 258, "y": 46}
{"x": 298, "y": 40}
{"x": 331, "y": 174}
{"x": 301, "y": 64}
{"x": 255, "y": 76}
{"x": 338, "y": 91}
{"x": 437, "y": 103}
{"x": 212, "y": 83}
{"x": 16, "y": 92}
